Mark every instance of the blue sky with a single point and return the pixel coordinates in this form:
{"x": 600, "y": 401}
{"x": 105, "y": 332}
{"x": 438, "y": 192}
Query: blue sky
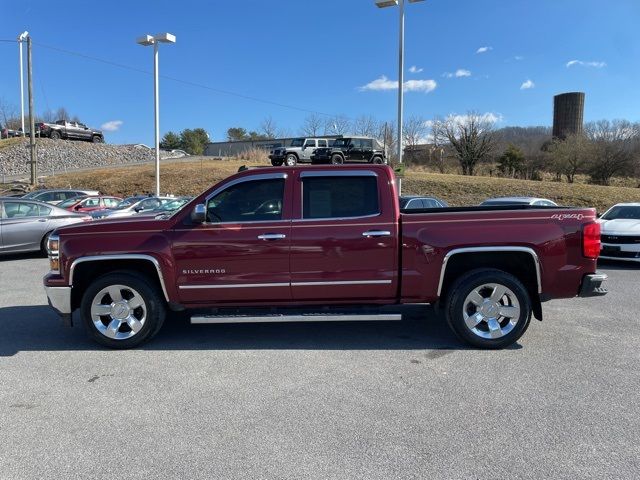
{"x": 317, "y": 55}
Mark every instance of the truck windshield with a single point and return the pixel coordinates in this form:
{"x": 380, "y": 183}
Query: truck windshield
{"x": 127, "y": 202}
{"x": 297, "y": 142}
{"x": 627, "y": 212}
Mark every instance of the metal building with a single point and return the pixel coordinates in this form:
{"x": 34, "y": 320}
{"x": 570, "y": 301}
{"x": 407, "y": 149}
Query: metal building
{"x": 568, "y": 114}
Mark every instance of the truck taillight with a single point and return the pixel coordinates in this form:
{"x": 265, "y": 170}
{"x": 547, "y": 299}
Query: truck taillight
{"x": 591, "y": 240}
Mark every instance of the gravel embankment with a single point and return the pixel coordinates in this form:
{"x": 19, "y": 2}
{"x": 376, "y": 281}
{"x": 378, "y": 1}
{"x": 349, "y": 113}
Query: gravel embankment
{"x": 56, "y": 156}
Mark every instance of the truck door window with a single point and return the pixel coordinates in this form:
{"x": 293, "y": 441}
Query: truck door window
{"x": 339, "y": 197}
{"x": 250, "y": 201}
{"x": 322, "y": 143}
{"x": 310, "y": 144}
{"x": 367, "y": 144}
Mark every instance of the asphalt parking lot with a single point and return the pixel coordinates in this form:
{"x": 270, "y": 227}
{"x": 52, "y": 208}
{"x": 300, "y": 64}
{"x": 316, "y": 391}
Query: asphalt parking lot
{"x": 354, "y": 400}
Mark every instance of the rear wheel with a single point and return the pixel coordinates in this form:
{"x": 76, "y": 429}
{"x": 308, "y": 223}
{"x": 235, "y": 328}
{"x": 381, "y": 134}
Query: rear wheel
{"x": 291, "y": 160}
{"x": 276, "y": 163}
{"x": 377, "y": 160}
{"x": 488, "y": 308}
{"x": 122, "y": 310}
{"x": 337, "y": 159}
{"x": 55, "y": 135}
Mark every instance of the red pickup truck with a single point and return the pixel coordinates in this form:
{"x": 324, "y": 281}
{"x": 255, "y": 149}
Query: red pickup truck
{"x": 322, "y": 243}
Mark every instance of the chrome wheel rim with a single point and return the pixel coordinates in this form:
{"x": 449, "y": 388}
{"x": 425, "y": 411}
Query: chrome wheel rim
{"x": 291, "y": 161}
{"x": 491, "y": 311}
{"x": 118, "y": 312}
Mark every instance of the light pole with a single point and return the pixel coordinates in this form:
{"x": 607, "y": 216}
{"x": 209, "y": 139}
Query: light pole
{"x": 400, "y": 3}
{"x": 154, "y": 40}
{"x": 21, "y": 39}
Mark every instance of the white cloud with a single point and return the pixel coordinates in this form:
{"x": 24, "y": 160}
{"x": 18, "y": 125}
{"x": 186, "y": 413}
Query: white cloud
{"x": 383, "y": 83}
{"x": 487, "y": 116}
{"x": 518, "y": 58}
{"x": 527, "y": 85}
{"x": 112, "y": 125}
{"x": 586, "y": 64}
{"x": 414, "y": 69}
{"x": 461, "y": 72}
{"x": 484, "y": 49}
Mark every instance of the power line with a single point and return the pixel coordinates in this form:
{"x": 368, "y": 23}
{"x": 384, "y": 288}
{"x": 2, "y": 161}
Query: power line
{"x": 185, "y": 82}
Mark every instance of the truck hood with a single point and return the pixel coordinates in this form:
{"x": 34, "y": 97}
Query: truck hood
{"x": 620, "y": 226}
{"x": 115, "y": 225}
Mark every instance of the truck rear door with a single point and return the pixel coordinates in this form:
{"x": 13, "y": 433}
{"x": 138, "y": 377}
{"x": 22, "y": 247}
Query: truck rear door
{"x": 343, "y": 236}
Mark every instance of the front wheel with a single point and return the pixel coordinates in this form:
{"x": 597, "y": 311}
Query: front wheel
{"x": 276, "y": 163}
{"x": 291, "y": 160}
{"x": 488, "y": 308}
{"x": 96, "y": 139}
{"x": 122, "y": 310}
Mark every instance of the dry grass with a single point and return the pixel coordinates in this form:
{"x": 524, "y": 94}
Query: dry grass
{"x": 192, "y": 177}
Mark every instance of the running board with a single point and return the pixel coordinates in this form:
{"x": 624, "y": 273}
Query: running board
{"x": 371, "y": 317}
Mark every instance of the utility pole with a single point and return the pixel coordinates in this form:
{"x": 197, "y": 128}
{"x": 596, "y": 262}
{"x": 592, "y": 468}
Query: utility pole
{"x": 32, "y": 123}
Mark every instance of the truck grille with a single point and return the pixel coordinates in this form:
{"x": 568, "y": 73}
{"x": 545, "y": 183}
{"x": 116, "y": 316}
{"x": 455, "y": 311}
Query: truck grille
{"x": 620, "y": 239}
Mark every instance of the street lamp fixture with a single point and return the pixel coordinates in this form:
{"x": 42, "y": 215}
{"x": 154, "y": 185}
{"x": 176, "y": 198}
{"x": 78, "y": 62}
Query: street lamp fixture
{"x": 147, "y": 41}
{"x": 400, "y": 3}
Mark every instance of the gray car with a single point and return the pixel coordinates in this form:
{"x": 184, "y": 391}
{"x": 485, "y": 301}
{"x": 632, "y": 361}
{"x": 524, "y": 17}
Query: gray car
{"x": 56, "y": 196}
{"x": 132, "y": 206}
{"x": 534, "y": 201}
{"x": 25, "y": 225}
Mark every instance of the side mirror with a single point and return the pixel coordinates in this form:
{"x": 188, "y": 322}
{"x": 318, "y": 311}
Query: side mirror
{"x": 139, "y": 209}
{"x": 199, "y": 213}
{"x": 77, "y": 207}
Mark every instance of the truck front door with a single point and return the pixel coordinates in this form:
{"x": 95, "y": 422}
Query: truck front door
{"x": 241, "y": 253}
{"x": 307, "y": 150}
{"x": 343, "y": 237}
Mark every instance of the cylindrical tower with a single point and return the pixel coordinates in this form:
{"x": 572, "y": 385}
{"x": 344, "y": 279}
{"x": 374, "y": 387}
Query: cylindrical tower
{"x": 568, "y": 114}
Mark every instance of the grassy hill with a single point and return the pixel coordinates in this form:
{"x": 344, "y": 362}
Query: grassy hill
{"x": 192, "y": 177}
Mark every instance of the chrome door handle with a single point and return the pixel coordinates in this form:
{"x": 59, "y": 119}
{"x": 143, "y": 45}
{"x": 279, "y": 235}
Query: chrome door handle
{"x": 376, "y": 233}
{"x": 272, "y": 236}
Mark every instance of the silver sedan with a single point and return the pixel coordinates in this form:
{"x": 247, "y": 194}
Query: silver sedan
{"x": 25, "y": 225}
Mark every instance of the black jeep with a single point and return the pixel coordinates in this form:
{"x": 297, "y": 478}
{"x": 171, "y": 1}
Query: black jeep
{"x": 350, "y": 149}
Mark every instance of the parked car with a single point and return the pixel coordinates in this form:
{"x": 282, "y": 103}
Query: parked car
{"x": 314, "y": 244}
{"x": 70, "y": 131}
{"x": 25, "y": 225}
{"x": 6, "y": 132}
{"x": 410, "y": 202}
{"x": 90, "y": 203}
{"x": 55, "y": 196}
{"x": 351, "y": 149}
{"x": 131, "y": 206}
{"x": 621, "y": 232}
{"x": 538, "y": 202}
{"x": 299, "y": 151}
{"x": 168, "y": 208}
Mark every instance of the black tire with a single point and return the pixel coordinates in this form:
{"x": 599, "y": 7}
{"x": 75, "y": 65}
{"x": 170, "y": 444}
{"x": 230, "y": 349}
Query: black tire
{"x": 493, "y": 330}
{"x": 96, "y": 139}
{"x": 54, "y": 135}
{"x": 291, "y": 160}
{"x": 276, "y": 163}
{"x": 377, "y": 160}
{"x": 43, "y": 244}
{"x": 337, "y": 159}
{"x": 154, "y": 309}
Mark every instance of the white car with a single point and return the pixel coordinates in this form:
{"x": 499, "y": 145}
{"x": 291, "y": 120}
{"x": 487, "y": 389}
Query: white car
{"x": 620, "y": 232}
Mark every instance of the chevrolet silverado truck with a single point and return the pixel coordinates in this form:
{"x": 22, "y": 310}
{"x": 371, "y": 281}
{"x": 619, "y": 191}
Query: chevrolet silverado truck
{"x": 321, "y": 243}
{"x": 69, "y": 131}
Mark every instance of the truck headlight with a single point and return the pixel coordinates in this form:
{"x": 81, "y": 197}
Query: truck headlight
{"x": 53, "y": 249}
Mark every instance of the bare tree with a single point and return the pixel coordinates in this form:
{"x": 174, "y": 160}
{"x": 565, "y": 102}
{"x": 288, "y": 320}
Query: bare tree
{"x": 269, "y": 128}
{"x": 471, "y": 136}
{"x": 613, "y": 143}
{"x": 48, "y": 116}
{"x": 312, "y": 125}
{"x": 338, "y": 125}
{"x": 9, "y": 115}
{"x": 386, "y": 135}
{"x": 414, "y": 131}
{"x": 570, "y": 156}
{"x": 365, "y": 125}
{"x": 62, "y": 114}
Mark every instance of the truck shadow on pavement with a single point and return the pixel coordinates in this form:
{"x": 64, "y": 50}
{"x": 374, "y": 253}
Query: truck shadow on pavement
{"x": 38, "y": 328}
